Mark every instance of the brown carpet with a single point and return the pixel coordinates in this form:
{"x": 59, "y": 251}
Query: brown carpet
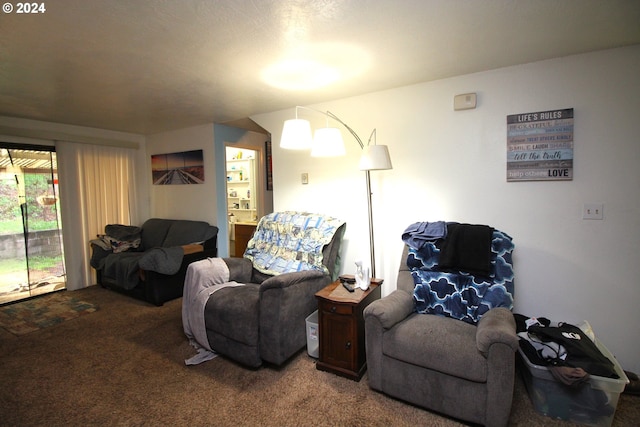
{"x": 124, "y": 366}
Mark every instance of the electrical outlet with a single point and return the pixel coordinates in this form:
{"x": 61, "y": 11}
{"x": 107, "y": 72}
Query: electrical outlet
{"x": 592, "y": 211}
{"x": 304, "y": 178}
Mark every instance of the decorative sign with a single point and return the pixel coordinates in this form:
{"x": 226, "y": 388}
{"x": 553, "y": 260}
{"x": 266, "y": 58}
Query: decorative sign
{"x": 540, "y": 146}
{"x": 186, "y": 167}
{"x": 269, "y": 165}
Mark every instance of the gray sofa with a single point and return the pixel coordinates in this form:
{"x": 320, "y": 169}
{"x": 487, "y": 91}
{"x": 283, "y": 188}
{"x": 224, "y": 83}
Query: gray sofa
{"x": 264, "y": 320}
{"x": 150, "y": 262}
{"x": 444, "y": 364}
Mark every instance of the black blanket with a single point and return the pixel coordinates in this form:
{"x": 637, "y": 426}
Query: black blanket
{"x": 581, "y": 351}
{"x": 467, "y": 248}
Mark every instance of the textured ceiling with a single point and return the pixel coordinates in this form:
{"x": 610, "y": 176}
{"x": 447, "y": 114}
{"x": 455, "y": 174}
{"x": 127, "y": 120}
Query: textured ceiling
{"x": 146, "y": 66}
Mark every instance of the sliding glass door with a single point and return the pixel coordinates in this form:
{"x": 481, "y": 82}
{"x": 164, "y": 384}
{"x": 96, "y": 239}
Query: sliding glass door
{"x": 31, "y": 252}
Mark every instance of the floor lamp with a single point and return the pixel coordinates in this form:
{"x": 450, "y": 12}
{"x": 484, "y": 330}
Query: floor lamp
{"x": 328, "y": 142}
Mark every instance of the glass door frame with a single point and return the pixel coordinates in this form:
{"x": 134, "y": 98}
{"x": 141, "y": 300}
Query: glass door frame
{"x": 34, "y": 169}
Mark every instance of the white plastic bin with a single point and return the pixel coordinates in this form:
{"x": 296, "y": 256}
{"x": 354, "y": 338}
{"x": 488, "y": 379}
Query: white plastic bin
{"x": 313, "y": 341}
{"x": 593, "y": 403}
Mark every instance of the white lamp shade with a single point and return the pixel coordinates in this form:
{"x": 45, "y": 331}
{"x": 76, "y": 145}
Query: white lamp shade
{"x": 375, "y": 157}
{"x": 296, "y": 135}
{"x": 327, "y": 142}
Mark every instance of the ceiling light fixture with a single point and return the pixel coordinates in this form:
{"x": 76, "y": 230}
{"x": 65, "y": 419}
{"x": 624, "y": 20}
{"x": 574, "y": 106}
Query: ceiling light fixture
{"x": 312, "y": 66}
{"x": 300, "y": 74}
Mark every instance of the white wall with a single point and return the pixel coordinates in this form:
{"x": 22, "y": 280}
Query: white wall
{"x": 451, "y": 166}
{"x": 196, "y": 201}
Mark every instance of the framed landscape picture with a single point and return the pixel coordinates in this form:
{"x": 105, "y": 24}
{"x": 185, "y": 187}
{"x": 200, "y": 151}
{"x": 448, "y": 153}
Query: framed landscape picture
{"x": 186, "y": 167}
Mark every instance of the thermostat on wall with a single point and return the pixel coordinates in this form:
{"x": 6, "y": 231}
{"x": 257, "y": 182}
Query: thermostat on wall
{"x": 466, "y": 101}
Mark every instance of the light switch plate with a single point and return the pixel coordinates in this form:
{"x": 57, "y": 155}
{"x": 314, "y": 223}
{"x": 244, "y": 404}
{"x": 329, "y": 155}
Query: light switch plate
{"x": 304, "y": 178}
{"x": 592, "y": 211}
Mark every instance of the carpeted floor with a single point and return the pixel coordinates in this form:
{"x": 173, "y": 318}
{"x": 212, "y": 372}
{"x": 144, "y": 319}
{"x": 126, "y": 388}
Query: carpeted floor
{"x": 124, "y": 366}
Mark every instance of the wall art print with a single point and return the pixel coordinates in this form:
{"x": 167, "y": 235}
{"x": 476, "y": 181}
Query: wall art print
{"x": 269, "y": 166}
{"x": 540, "y": 146}
{"x": 186, "y": 167}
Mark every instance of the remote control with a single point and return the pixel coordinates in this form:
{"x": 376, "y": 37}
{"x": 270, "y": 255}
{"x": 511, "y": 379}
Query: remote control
{"x": 348, "y": 287}
{"x": 349, "y": 278}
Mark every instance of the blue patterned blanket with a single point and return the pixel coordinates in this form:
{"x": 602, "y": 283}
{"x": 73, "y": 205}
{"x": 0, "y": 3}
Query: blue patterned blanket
{"x": 285, "y": 242}
{"x": 460, "y": 294}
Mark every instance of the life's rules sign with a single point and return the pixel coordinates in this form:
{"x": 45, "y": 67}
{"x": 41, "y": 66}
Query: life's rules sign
{"x": 540, "y": 146}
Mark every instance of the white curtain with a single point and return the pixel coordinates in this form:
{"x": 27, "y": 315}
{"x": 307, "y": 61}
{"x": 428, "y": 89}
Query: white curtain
{"x": 97, "y": 187}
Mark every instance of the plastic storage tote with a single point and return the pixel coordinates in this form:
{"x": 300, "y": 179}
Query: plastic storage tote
{"x": 592, "y": 403}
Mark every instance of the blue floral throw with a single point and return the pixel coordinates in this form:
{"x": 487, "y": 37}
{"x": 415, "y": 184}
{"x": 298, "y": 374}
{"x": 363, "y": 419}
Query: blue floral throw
{"x": 285, "y": 242}
{"x": 459, "y": 294}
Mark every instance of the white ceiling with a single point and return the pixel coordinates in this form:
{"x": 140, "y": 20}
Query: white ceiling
{"x": 146, "y": 66}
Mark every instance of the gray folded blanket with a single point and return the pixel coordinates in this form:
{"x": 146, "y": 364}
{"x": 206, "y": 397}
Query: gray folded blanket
{"x": 125, "y": 233}
{"x": 124, "y": 268}
{"x": 163, "y": 260}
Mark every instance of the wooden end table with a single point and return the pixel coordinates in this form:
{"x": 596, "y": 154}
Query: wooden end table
{"x": 341, "y": 328}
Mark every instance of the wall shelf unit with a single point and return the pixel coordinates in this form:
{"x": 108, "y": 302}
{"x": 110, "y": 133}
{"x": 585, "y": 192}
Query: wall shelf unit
{"x": 241, "y": 189}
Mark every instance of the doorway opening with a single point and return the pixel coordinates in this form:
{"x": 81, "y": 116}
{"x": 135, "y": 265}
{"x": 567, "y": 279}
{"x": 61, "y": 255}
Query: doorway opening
{"x": 31, "y": 251}
{"x": 243, "y": 199}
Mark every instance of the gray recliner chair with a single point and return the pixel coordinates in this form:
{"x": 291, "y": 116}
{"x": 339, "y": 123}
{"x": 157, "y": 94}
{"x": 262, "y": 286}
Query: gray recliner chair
{"x": 264, "y": 320}
{"x": 456, "y": 367}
